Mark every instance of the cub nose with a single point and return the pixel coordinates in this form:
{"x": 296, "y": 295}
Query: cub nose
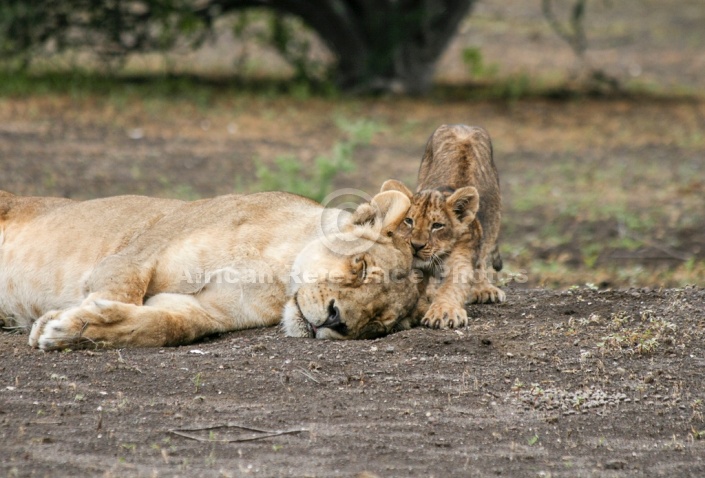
{"x": 333, "y": 316}
{"x": 417, "y": 246}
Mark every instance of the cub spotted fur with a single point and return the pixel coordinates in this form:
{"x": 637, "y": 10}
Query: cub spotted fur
{"x": 454, "y": 222}
{"x": 134, "y": 271}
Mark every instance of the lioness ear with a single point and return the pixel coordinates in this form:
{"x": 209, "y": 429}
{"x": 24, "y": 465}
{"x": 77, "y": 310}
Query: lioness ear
{"x": 464, "y": 202}
{"x": 364, "y": 214}
{"x": 394, "y": 185}
{"x": 385, "y": 211}
{"x": 392, "y": 207}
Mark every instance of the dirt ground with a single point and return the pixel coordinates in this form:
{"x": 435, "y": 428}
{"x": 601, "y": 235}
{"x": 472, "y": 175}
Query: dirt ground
{"x": 574, "y": 383}
{"x": 593, "y": 367}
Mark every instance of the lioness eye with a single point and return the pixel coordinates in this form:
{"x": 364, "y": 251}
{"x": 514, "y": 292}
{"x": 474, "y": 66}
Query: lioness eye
{"x": 409, "y": 222}
{"x": 437, "y": 225}
{"x": 361, "y": 263}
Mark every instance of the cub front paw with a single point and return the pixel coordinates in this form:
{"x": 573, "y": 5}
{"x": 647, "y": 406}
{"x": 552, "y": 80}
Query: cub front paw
{"x": 444, "y": 316}
{"x": 487, "y": 294}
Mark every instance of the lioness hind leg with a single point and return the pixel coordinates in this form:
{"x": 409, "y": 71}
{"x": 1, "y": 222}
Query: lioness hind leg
{"x": 104, "y": 323}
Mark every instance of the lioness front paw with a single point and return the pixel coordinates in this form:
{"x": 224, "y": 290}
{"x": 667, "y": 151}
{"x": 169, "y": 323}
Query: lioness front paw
{"x": 60, "y": 329}
{"x": 38, "y": 327}
{"x": 445, "y": 316}
{"x": 487, "y": 294}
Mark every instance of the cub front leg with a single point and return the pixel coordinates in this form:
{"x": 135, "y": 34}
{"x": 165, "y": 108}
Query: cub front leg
{"x": 105, "y": 323}
{"x": 447, "y": 309}
{"x": 445, "y": 315}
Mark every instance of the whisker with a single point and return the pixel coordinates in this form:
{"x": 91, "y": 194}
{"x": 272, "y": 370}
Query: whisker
{"x": 436, "y": 263}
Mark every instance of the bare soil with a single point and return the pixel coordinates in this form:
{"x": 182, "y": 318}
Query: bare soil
{"x": 533, "y": 387}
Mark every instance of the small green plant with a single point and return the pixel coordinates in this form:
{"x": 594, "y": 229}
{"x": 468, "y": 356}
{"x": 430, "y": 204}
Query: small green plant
{"x": 533, "y": 440}
{"x": 513, "y": 88}
{"x": 289, "y": 174}
{"x": 197, "y": 382}
{"x": 211, "y": 459}
{"x": 472, "y": 57}
{"x": 641, "y": 335}
{"x": 129, "y": 446}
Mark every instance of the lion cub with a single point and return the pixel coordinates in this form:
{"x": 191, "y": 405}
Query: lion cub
{"x": 453, "y": 223}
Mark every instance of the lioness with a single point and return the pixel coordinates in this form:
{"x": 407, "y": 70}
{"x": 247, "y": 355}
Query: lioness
{"x": 133, "y": 271}
{"x": 454, "y": 221}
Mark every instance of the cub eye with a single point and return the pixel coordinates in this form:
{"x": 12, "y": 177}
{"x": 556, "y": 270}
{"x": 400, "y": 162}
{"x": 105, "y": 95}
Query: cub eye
{"x": 437, "y": 225}
{"x": 409, "y": 222}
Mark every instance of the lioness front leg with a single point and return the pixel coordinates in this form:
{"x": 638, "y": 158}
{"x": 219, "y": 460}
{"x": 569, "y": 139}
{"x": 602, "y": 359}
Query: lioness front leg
{"x": 105, "y": 323}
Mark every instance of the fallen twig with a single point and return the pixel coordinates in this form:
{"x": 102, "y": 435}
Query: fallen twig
{"x": 308, "y": 375}
{"x": 124, "y": 362}
{"x": 184, "y": 432}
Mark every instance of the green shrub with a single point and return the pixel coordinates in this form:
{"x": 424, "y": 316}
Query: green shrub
{"x": 288, "y": 173}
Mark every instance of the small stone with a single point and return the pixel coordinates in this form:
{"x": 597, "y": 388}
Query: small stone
{"x": 615, "y": 465}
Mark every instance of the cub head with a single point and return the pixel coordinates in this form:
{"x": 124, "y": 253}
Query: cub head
{"x": 355, "y": 281}
{"x": 436, "y": 220}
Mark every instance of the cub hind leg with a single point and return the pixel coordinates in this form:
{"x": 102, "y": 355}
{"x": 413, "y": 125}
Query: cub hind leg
{"x": 483, "y": 291}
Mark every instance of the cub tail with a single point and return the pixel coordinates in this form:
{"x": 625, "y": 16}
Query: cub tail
{"x": 496, "y": 258}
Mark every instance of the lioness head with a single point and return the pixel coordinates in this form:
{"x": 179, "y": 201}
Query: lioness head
{"x": 354, "y": 283}
{"x": 436, "y": 220}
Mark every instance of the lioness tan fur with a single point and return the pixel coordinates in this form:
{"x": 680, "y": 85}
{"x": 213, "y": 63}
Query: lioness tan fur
{"x": 135, "y": 271}
{"x": 454, "y": 222}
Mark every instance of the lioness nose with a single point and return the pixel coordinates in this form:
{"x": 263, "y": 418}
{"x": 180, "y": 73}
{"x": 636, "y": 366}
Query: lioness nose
{"x": 417, "y": 246}
{"x": 333, "y": 316}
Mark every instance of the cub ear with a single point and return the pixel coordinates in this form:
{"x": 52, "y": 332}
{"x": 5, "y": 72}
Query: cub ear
{"x": 394, "y": 185}
{"x": 465, "y": 203}
{"x": 385, "y": 211}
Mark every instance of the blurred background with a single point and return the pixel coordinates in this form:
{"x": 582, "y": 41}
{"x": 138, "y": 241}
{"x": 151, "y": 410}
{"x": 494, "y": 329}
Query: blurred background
{"x": 596, "y": 110}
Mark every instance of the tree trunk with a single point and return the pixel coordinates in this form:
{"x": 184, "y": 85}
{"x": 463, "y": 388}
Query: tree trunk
{"x": 383, "y": 45}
